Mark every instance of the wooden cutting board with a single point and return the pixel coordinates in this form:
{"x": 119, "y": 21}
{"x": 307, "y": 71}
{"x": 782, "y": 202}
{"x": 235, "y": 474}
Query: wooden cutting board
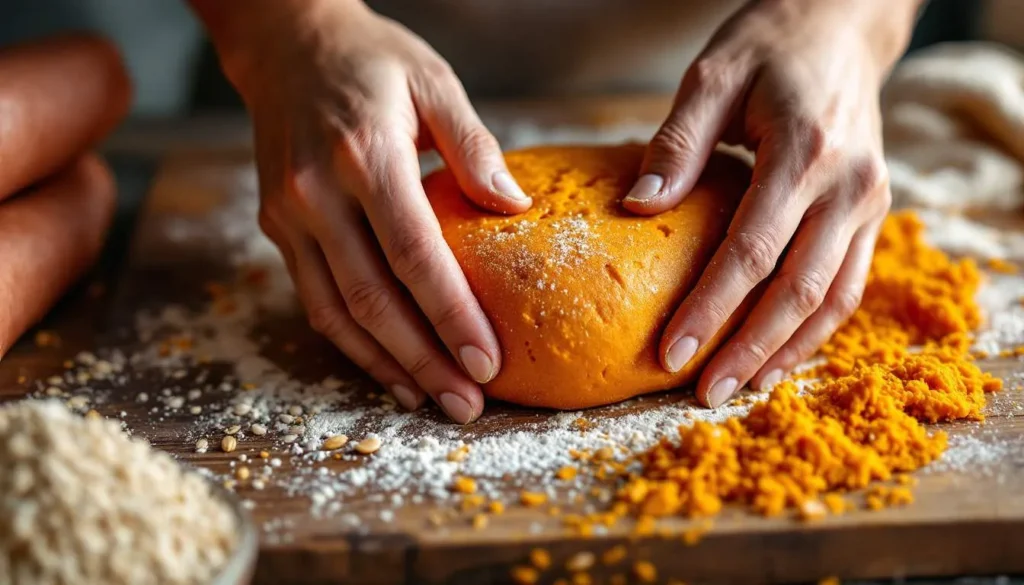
{"x": 963, "y": 522}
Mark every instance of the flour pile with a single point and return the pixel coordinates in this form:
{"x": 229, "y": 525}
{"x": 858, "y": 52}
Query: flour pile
{"x": 82, "y": 503}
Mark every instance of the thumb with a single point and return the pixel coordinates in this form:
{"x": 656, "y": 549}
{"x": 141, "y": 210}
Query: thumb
{"x": 679, "y": 150}
{"x": 469, "y": 149}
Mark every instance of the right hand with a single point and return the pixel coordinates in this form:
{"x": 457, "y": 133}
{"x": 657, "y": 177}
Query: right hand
{"x": 341, "y": 100}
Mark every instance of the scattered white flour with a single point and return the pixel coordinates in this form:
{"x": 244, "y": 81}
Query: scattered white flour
{"x": 224, "y": 367}
{"x": 82, "y": 503}
{"x": 961, "y": 236}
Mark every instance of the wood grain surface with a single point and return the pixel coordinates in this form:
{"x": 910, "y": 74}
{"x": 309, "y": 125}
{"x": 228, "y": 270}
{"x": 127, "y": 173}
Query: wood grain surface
{"x": 963, "y": 522}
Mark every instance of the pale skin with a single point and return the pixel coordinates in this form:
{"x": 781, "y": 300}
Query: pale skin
{"x": 343, "y": 99}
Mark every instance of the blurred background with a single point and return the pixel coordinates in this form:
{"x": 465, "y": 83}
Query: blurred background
{"x": 176, "y": 73}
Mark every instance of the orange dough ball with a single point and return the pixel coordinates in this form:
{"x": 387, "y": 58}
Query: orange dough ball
{"x": 578, "y": 290}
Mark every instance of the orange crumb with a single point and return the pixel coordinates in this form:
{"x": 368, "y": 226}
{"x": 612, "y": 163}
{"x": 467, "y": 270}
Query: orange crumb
{"x": 540, "y": 558}
{"x": 581, "y": 579}
{"x": 566, "y": 473}
{"x": 524, "y": 575}
{"x": 464, "y": 485}
{"x": 459, "y": 454}
{"x": 835, "y": 503}
{"x": 1002, "y": 266}
{"x": 472, "y": 502}
{"x": 496, "y": 507}
{"x": 532, "y": 499}
{"x": 645, "y": 571}
{"x": 479, "y": 521}
{"x": 614, "y": 555}
{"x": 47, "y": 339}
{"x": 829, "y": 581}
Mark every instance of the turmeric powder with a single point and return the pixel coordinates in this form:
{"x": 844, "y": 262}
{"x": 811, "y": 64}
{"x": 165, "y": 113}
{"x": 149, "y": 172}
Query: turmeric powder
{"x": 862, "y": 422}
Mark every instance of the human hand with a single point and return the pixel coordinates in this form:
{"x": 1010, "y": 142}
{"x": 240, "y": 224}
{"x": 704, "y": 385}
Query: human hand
{"x": 341, "y": 99}
{"x": 796, "y": 81}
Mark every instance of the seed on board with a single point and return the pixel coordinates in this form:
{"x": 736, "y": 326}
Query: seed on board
{"x": 479, "y": 522}
{"x": 194, "y": 394}
{"x": 580, "y": 561}
{"x": 54, "y": 391}
{"x": 368, "y": 445}
{"x": 258, "y": 484}
{"x": 257, "y": 429}
{"x": 232, "y": 430}
{"x": 286, "y": 418}
{"x": 334, "y": 442}
{"x": 242, "y": 408}
{"x": 242, "y": 473}
{"x": 202, "y": 445}
{"x": 78, "y": 402}
{"x": 295, "y": 410}
{"x": 176, "y": 402}
{"x": 196, "y": 409}
{"x": 93, "y": 414}
{"x": 228, "y": 444}
{"x": 289, "y": 438}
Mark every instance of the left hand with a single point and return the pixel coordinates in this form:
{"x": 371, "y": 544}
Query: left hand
{"x": 796, "y": 81}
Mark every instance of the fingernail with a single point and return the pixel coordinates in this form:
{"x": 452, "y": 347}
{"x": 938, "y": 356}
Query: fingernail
{"x": 680, "y": 353}
{"x": 505, "y": 185}
{"x": 646, "y": 188}
{"x": 770, "y": 380}
{"x": 406, "y": 397}
{"x": 477, "y": 364}
{"x": 721, "y": 391}
{"x": 457, "y": 408}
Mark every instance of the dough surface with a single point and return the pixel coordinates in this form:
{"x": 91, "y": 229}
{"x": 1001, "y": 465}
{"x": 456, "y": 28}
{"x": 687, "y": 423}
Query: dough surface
{"x": 578, "y": 290}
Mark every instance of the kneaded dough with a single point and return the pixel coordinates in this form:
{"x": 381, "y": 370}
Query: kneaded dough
{"x": 578, "y": 290}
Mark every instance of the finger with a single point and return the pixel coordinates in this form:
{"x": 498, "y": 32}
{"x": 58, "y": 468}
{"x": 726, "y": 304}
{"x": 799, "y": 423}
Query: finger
{"x": 840, "y": 303}
{"x": 49, "y": 236}
{"x": 404, "y": 223}
{"x": 377, "y": 303}
{"x": 57, "y": 99}
{"x": 329, "y": 316}
{"x": 765, "y": 221}
{"x": 677, "y": 153}
{"x": 793, "y": 295}
{"x": 469, "y": 149}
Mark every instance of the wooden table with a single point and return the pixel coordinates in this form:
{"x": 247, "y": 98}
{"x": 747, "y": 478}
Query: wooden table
{"x": 962, "y": 522}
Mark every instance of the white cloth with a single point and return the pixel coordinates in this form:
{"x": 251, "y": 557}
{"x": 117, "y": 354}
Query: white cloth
{"x": 953, "y": 118}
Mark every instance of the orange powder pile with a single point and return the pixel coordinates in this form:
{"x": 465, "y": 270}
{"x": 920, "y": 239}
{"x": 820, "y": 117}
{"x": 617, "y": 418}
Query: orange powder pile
{"x": 862, "y": 423}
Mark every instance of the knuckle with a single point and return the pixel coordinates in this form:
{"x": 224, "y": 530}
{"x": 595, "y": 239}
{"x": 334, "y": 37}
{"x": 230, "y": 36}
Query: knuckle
{"x": 755, "y": 252}
{"x": 847, "y": 301}
{"x": 354, "y": 144}
{"x": 712, "y": 74}
{"x": 674, "y": 139}
{"x": 869, "y": 182}
{"x": 475, "y": 141}
{"x": 752, "y": 352}
{"x": 419, "y": 364}
{"x": 368, "y": 302}
{"x": 451, "y": 313}
{"x": 438, "y": 70}
{"x": 328, "y": 320}
{"x": 806, "y": 291}
{"x": 811, "y": 139}
{"x": 413, "y": 254}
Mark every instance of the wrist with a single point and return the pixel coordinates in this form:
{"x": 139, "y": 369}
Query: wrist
{"x": 243, "y": 32}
